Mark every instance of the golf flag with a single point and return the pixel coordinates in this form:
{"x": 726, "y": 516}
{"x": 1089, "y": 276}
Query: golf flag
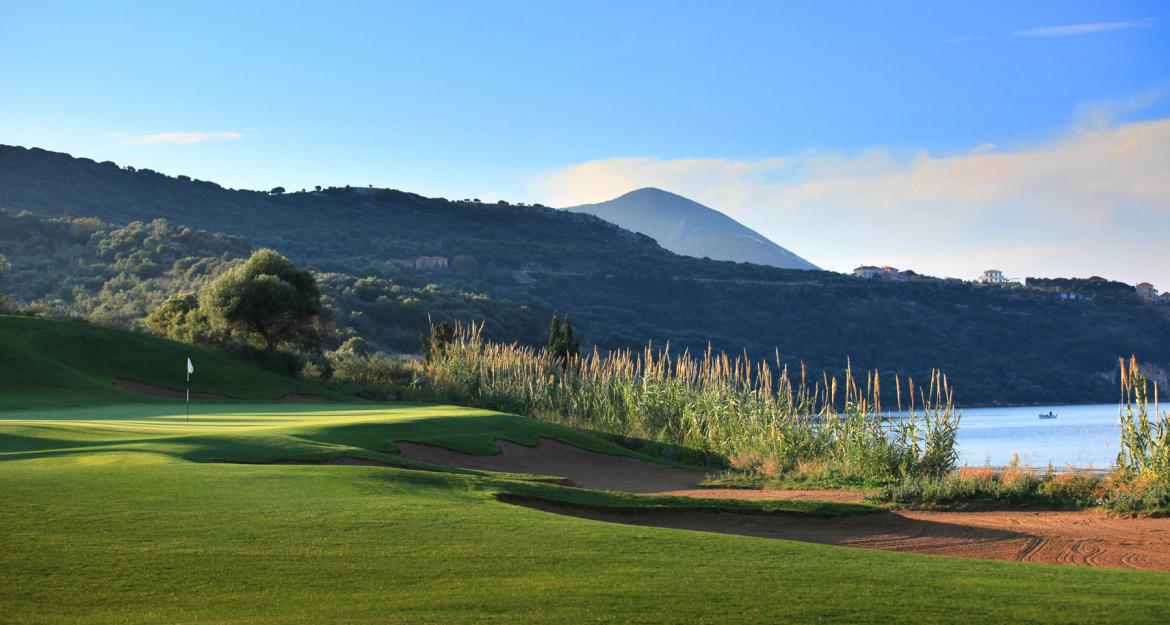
{"x": 190, "y": 370}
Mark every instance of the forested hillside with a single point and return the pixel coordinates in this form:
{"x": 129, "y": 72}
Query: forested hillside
{"x": 82, "y": 267}
{"x": 519, "y": 263}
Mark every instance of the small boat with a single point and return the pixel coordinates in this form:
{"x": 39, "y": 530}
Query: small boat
{"x": 1050, "y": 415}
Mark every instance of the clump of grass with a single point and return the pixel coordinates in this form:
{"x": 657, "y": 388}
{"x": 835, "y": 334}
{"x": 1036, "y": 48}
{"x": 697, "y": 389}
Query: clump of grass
{"x": 1142, "y": 481}
{"x": 1145, "y": 441}
{"x": 1138, "y": 484}
{"x": 748, "y": 411}
{"x": 987, "y": 487}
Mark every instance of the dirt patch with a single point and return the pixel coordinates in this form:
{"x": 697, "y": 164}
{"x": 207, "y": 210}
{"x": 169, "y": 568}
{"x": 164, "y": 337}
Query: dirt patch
{"x": 351, "y": 461}
{"x": 303, "y": 397}
{"x": 586, "y": 469}
{"x": 150, "y": 390}
{"x": 1082, "y": 538}
{"x": 845, "y": 496}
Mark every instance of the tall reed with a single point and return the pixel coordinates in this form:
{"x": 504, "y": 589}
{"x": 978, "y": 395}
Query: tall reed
{"x": 731, "y": 406}
{"x": 1145, "y": 441}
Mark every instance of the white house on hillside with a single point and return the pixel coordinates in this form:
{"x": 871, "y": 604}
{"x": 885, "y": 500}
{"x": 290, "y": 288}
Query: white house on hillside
{"x": 430, "y": 263}
{"x": 868, "y": 271}
{"x": 1147, "y": 292}
{"x": 992, "y": 276}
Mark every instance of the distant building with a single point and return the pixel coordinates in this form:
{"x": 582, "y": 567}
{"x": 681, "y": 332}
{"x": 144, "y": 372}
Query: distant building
{"x": 891, "y": 273}
{"x": 993, "y": 276}
{"x": 868, "y": 271}
{"x": 1164, "y": 298}
{"x": 1076, "y": 297}
{"x": 1147, "y": 292}
{"x": 430, "y": 263}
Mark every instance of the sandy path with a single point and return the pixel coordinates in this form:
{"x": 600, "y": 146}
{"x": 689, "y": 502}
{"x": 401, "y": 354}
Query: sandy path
{"x": 846, "y": 496}
{"x": 583, "y": 468}
{"x": 1084, "y": 538}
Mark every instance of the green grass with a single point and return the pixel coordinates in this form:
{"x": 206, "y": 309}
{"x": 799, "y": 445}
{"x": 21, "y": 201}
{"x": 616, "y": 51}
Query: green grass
{"x": 62, "y": 363}
{"x": 112, "y": 515}
{"x": 116, "y": 509}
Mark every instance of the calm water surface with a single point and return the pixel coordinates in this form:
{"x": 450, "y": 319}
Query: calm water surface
{"x": 1081, "y": 436}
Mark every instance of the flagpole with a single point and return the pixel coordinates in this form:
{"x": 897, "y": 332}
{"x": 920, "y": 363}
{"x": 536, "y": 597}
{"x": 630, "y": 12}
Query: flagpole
{"x": 188, "y": 395}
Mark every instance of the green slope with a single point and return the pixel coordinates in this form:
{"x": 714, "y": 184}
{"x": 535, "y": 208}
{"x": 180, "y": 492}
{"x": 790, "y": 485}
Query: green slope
{"x": 45, "y": 362}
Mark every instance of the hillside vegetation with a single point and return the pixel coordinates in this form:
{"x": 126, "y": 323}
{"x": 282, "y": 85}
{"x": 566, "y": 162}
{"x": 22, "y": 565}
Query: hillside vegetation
{"x": 522, "y": 262}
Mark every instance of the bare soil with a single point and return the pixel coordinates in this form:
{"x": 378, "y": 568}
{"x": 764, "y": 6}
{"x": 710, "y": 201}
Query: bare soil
{"x": 1085, "y": 538}
{"x": 585, "y": 469}
{"x": 150, "y": 390}
{"x": 351, "y": 461}
{"x": 819, "y": 494}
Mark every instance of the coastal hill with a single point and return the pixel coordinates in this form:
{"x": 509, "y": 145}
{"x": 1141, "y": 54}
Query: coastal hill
{"x": 79, "y": 252}
{"x": 686, "y": 227}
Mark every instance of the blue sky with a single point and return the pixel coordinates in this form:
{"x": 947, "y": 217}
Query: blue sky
{"x": 568, "y": 102}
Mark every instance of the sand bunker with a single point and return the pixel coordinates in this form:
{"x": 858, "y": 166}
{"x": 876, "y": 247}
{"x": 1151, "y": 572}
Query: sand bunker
{"x": 151, "y": 390}
{"x": 583, "y": 468}
{"x": 1084, "y": 538}
{"x": 844, "y": 496}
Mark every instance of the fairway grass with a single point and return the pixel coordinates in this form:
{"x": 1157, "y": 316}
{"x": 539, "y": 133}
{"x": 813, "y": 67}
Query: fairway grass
{"x": 130, "y": 514}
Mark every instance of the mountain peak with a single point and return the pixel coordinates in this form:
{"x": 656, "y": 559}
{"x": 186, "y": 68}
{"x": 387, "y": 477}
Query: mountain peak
{"x": 687, "y": 227}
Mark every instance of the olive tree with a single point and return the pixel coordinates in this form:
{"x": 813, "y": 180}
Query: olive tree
{"x": 268, "y": 298}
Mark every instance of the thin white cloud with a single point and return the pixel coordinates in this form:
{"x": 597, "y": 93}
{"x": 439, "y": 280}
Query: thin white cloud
{"x": 1105, "y": 112}
{"x": 1070, "y": 30}
{"x": 1095, "y": 200}
{"x": 181, "y": 138}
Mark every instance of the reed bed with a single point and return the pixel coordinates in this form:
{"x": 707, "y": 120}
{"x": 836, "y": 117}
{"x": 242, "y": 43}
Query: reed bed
{"x": 1139, "y": 482}
{"x": 1145, "y": 439}
{"x": 730, "y": 406}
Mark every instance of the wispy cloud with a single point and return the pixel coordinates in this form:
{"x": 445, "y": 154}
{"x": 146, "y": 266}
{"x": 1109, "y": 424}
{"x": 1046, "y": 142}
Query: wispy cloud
{"x": 1070, "y": 30}
{"x": 181, "y": 138}
{"x": 1067, "y": 206}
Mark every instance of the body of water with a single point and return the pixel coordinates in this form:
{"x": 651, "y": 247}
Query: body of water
{"x": 1080, "y": 436}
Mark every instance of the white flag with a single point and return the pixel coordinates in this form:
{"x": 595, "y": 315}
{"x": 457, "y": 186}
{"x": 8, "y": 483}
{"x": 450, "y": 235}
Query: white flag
{"x": 190, "y": 367}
